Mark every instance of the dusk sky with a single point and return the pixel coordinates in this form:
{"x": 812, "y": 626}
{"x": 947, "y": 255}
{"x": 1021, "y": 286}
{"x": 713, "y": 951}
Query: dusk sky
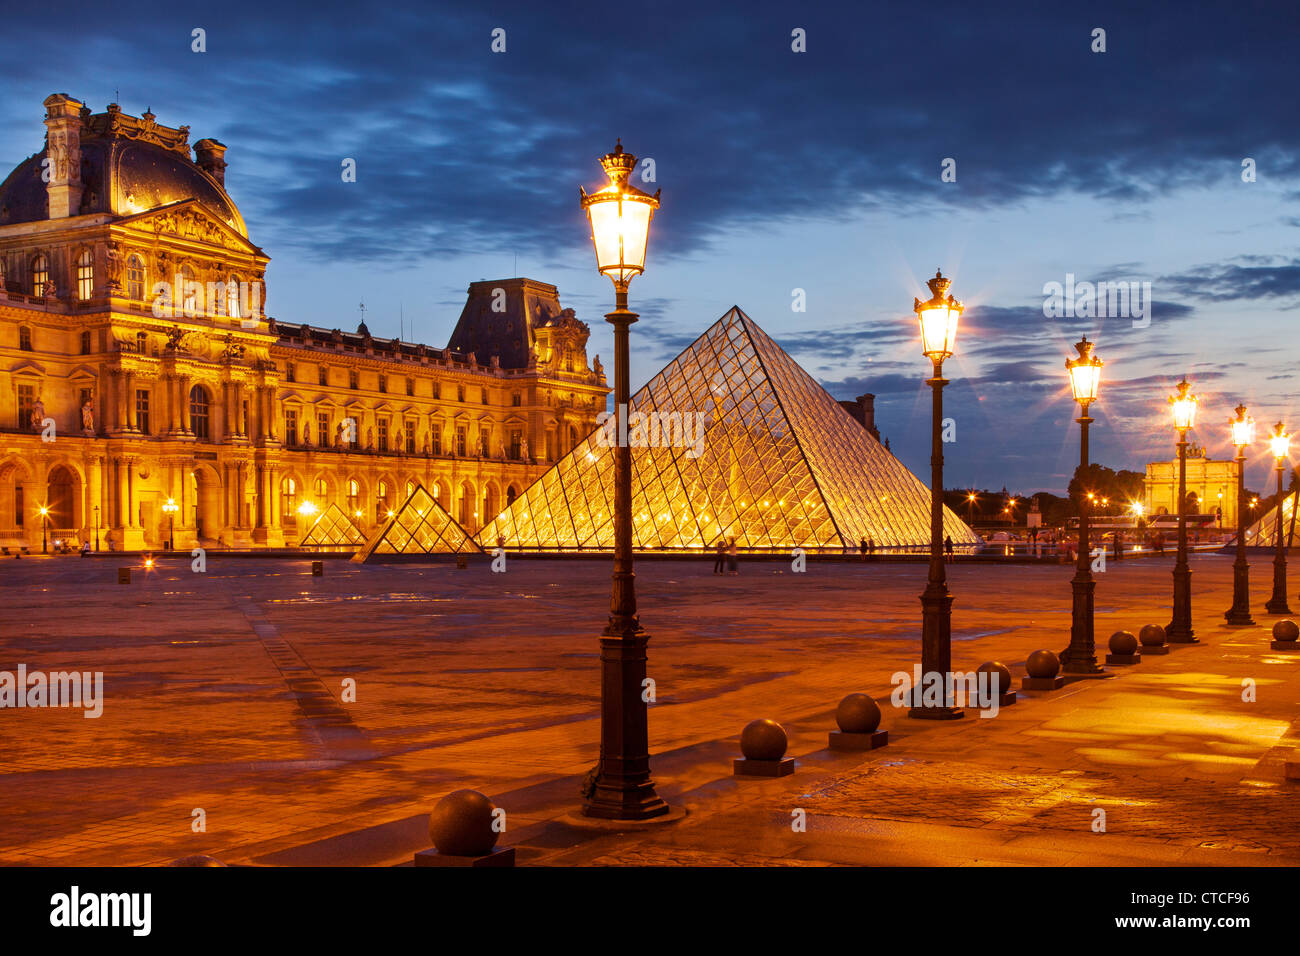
{"x": 780, "y": 170}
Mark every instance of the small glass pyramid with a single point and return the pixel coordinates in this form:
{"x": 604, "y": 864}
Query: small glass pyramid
{"x": 333, "y": 530}
{"x": 419, "y": 526}
{"x": 755, "y": 450}
{"x": 1263, "y": 533}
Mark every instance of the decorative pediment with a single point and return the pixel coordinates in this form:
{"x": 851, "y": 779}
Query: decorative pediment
{"x": 144, "y": 128}
{"x": 27, "y": 369}
{"x": 189, "y": 219}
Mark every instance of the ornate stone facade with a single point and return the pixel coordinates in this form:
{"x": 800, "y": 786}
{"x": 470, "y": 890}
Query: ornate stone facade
{"x": 132, "y": 330}
{"x": 1211, "y": 486}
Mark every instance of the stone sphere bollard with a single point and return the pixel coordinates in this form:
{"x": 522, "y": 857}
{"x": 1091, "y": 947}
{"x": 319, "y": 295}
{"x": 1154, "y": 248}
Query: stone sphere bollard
{"x": 763, "y": 740}
{"x": 461, "y": 824}
{"x": 1043, "y": 664}
{"x": 999, "y": 676}
{"x": 1123, "y": 642}
{"x": 857, "y": 714}
{"x": 1285, "y": 632}
{"x": 1152, "y": 635}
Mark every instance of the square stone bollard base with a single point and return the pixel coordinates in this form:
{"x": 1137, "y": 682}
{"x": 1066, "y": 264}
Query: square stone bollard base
{"x": 1155, "y": 649}
{"x": 1293, "y": 770}
{"x": 1042, "y": 683}
{"x": 500, "y": 856}
{"x": 317, "y": 568}
{"x": 842, "y": 740}
{"x": 123, "y": 575}
{"x": 1285, "y": 645}
{"x": 1123, "y": 659}
{"x": 744, "y": 767}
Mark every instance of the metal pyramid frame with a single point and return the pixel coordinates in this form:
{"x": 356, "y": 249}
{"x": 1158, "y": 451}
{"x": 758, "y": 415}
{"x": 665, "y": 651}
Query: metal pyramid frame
{"x": 333, "y": 529}
{"x": 780, "y": 465}
{"x": 419, "y": 527}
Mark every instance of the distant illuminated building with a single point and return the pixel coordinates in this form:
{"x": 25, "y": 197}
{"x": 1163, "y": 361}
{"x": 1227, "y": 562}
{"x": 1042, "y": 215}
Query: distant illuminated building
{"x": 1210, "y": 485}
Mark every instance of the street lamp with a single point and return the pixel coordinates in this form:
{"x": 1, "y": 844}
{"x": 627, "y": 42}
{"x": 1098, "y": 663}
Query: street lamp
{"x": 96, "y": 527}
{"x": 1280, "y": 445}
{"x": 171, "y": 507}
{"x": 1243, "y": 434}
{"x": 938, "y": 319}
{"x": 1080, "y": 658}
{"x": 1179, "y": 631}
{"x": 45, "y": 524}
{"x": 970, "y": 508}
{"x": 620, "y": 215}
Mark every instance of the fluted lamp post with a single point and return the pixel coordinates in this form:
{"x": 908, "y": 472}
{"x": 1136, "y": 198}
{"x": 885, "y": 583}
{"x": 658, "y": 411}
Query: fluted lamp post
{"x": 620, "y": 217}
{"x": 1080, "y": 658}
{"x": 1180, "y": 631}
{"x": 171, "y": 507}
{"x": 45, "y": 524}
{"x": 938, "y": 319}
{"x": 1243, "y": 435}
{"x": 1280, "y": 445}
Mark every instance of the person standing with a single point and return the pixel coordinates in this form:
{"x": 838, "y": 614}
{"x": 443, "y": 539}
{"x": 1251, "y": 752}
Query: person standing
{"x": 719, "y": 552}
{"x": 947, "y": 547}
{"x": 732, "y": 567}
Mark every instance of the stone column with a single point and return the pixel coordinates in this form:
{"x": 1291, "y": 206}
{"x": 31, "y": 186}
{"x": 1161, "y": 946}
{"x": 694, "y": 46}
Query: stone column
{"x": 128, "y": 400}
{"x": 183, "y": 401}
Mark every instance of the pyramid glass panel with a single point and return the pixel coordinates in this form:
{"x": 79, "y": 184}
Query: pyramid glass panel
{"x": 419, "y": 526}
{"x": 731, "y": 439}
{"x": 333, "y": 530}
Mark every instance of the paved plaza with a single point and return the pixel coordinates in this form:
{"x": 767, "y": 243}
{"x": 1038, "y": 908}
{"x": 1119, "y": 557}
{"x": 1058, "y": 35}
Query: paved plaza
{"x": 225, "y": 702}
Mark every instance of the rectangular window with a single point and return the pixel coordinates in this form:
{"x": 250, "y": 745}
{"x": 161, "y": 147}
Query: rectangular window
{"x": 460, "y": 393}
{"x": 26, "y": 400}
{"x": 134, "y": 279}
{"x": 550, "y": 446}
{"x": 352, "y": 378}
{"x": 410, "y": 386}
{"x": 435, "y": 439}
{"x": 383, "y": 433}
{"x": 291, "y": 426}
{"x": 516, "y": 400}
{"x": 516, "y": 444}
{"x": 244, "y": 418}
{"x": 323, "y": 375}
{"x": 18, "y": 505}
{"x": 85, "y": 276}
{"x": 383, "y": 383}
{"x": 142, "y": 410}
{"x": 460, "y": 441}
{"x": 85, "y": 343}
{"x": 288, "y": 371}
{"x": 483, "y": 395}
{"x": 323, "y": 429}
{"x": 410, "y": 436}
{"x": 437, "y": 390}
{"x": 484, "y": 443}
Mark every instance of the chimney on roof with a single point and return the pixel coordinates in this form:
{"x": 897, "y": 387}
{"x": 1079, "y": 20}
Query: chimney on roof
{"x": 63, "y": 154}
{"x": 863, "y": 410}
{"x": 210, "y": 156}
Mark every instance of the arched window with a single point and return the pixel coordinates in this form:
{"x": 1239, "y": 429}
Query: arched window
{"x": 191, "y": 292}
{"x": 381, "y": 502}
{"x": 232, "y": 297}
{"x": 135, "y": 278}
{"x": 288, "y": 497}
{"x": 199, "y": 412}
{"x": 510, "y": 495}
{"x": 40, "y": 275}
{"x": 321, "y": 490}
{"x": 85, "y": 275}
{"x": 354, "y": 497}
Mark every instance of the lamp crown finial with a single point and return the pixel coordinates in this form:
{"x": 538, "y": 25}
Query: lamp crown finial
{"x": 939, "y": 285}
{"x": 618, "y": 165}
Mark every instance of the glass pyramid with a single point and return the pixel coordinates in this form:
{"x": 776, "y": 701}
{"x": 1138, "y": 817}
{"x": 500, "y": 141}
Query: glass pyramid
{"x": 1263, "y": 533}
{"x": 419, "y": 526}
{"x": 333, "y": 530}
{"x": 780, "y": 465}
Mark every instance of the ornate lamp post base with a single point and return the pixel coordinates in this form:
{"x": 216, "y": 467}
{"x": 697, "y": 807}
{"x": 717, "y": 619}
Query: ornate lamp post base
{"x": 936, "y": 641}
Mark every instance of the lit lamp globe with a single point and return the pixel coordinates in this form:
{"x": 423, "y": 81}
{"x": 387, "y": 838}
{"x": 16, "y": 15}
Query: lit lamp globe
{"x": 620, "y": 217}
{"x": 938, "y": 319}
{"x": 1085, "y": 374}
{"x": 1183, "y": 406}
{"x": 170, "y": 506}
{"x": 1279, "y": 443}
{"x": 307, "y": 509}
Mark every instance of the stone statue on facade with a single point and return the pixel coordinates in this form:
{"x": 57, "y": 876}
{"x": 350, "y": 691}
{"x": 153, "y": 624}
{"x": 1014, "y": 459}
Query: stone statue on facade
{"x": 38, "y": 415}
{"x": 88, "y": 417}
{"x": 370, "y": 439}
{"x": 399, "y": 444}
